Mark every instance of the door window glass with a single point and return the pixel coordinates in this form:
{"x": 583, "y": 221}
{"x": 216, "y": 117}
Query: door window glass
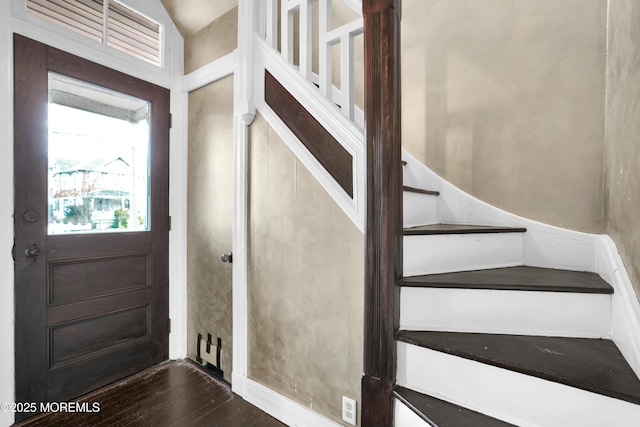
{"x": 98, "y": 159}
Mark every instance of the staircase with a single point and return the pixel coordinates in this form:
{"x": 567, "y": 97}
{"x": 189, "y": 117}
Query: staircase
{"x": 503, "y": 320}
{"x": 486, "y": 340}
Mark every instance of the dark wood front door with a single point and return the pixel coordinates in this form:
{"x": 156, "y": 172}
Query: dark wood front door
{"x": 91, "y": 224}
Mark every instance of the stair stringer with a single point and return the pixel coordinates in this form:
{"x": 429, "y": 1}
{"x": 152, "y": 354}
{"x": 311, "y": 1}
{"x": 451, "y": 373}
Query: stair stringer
{"x": 344, "y": 131}
{"x": 625, "y": 307}
{"x": 547, "y": 246}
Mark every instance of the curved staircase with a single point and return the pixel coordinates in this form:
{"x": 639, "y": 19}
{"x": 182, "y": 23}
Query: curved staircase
{"x": 503, "y": 320}
{"x": 488, "y": 340}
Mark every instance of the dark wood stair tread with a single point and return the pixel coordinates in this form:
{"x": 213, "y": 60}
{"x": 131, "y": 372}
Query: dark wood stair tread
{"x": 594, "y": 365}
{"x": 404, "y": 162}
{"x": 419, "y": 190}
{"x": 439, "y": 413}
{"x": 520, "y": 278}
{"x": 426, "y": 230}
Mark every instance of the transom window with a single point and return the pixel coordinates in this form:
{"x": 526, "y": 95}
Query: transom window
{"x": 105, "y": 21}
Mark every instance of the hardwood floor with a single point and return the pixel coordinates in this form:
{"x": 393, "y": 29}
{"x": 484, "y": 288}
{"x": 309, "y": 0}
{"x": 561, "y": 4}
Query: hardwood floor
{"x": 174, "y": 393}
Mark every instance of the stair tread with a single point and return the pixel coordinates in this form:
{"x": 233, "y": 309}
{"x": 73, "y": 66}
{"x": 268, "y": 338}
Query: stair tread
{"x": 421, "y": 191}
{"x": 521, "y": 278}
{"x": 594, "y": 365}
{"x": 459, "y": 229}
{"x": 404, "y": 162}
{"x": 440, "y": 413}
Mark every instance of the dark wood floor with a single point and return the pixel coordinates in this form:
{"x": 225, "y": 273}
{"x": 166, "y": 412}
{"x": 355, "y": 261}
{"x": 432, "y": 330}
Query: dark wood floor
{"x": 174, "y": 393}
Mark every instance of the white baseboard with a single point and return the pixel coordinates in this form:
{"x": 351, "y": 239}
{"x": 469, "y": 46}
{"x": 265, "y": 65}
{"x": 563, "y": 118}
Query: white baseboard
{"x": 237, "y": 383}
{"x": 284, "y": 409}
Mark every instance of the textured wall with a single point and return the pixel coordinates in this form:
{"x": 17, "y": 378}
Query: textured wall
{"x": 623, "y": 132}
{"x": 210, "y": 216}
{"x": 212, "y": 42}
{"x": 306, "y": 280}
{"x": 190, "y": 16}
{"x": 505, "y": 99}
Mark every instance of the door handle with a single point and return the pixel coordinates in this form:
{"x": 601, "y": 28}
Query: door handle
{"x": 32, "y": 252}
{"x": 228, "y": 257}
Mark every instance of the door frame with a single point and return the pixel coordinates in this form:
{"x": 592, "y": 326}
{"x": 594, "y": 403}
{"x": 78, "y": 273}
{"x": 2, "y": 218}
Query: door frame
{"x": 169, "y": 77}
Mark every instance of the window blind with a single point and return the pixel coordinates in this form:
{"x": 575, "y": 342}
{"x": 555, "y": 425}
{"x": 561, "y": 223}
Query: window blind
{"x": 133, "y": 33}
{"x": 82, "y": 16}
{"x": 126, "y": 30}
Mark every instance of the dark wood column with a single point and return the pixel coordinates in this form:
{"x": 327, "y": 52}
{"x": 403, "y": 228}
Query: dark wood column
{"x": 383, "y": 264}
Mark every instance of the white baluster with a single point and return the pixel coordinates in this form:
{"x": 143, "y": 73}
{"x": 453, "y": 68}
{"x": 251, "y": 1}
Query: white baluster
{"x": 271, "y": 24}
{"x": 325, "y": 60}
{"x": 346, "y": 74}
{"x": 286, "y": 29}
{"x": 327, "y": 38}
{"x": 305, "y": 47}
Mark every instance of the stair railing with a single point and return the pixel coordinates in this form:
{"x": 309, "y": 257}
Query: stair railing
{"x": 295, "y": 43}
{"x": 382, "y": 172}
{"x": 328, "y": 37}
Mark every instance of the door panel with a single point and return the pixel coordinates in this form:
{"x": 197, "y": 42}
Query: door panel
{"x": 67, "y": 279}
{"x": 68, "y": 383}
{"x": 77, "y": 340}
{"x": 91, "y": 308}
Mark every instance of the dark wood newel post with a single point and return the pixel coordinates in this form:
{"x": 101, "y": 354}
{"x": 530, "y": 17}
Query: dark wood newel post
{"x": 383, "y": 263}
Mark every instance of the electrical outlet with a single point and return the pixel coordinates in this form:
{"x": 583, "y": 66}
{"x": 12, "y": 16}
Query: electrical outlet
{"x": 349, "y": 410}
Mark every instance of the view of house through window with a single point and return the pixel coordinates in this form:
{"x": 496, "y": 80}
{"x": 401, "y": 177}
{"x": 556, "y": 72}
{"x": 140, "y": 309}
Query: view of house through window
{"x": 98, "y": 159}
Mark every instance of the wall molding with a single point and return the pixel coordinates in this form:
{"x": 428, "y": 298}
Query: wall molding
{"x": 244, "y": 113}
{"x": 178, "y": 159}
{"x": 281, "y": 407}
{"x": 240, "y": 259}
{"x": 211, "y": 72}
{"x": 7, "y": 382}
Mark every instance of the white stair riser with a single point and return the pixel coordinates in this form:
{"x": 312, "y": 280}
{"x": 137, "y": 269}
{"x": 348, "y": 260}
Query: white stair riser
{"x": 408, "y": 177}
{"x": 444, "y": 253}
{"x": 419, "y": 209}
{"x": 515, "y": 398}
{"x": 507, "y": 312}
{"x": 405, "y": 417}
